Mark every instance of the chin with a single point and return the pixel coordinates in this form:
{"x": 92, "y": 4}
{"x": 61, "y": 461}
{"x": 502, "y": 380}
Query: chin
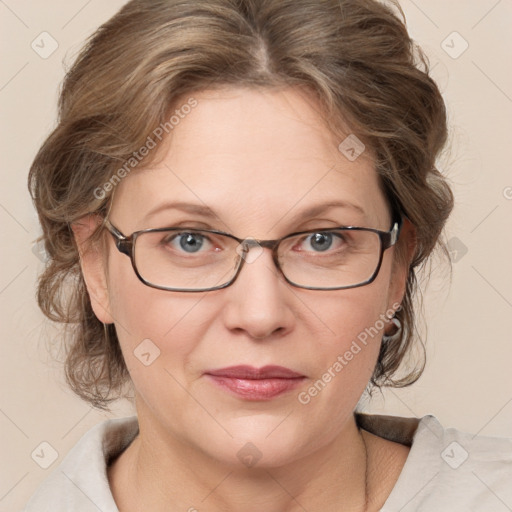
{"x": 260, "y": 442}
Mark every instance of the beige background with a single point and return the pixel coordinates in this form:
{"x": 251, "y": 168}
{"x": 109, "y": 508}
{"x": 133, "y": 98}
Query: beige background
{"x": 467, "y": 383}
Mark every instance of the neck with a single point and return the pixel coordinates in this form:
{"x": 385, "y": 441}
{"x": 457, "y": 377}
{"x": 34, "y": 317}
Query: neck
{"x": 160, "y": 472}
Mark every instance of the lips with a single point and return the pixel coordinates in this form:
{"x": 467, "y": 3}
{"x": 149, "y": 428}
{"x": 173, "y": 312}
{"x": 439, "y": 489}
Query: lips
{"x": 249, "y": 372}
{"x": 252, "y": 383}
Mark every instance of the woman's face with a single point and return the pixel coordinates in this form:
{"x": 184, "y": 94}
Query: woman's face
{"x": 258, "y": 160}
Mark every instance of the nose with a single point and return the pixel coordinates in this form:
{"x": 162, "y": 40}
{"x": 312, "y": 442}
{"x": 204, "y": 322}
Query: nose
{"x": 259, "y": 301}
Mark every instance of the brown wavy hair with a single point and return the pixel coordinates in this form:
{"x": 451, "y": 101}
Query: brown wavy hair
{"x": 354, "y": 56}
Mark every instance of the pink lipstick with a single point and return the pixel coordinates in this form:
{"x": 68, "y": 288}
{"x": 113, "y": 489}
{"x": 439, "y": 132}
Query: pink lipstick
{"x": 252, "y": 383}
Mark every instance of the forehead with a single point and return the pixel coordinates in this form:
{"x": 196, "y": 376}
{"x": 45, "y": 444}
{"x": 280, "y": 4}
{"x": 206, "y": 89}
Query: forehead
{"x": 256, "y": 155}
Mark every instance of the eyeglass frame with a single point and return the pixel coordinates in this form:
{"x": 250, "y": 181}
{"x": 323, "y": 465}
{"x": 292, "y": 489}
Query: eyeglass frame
{"x": 126, "y": 245}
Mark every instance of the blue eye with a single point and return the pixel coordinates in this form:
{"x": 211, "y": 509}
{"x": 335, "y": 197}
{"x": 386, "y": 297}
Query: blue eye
{"x": 189, "y": 242}
{"x": 321, "y": 241}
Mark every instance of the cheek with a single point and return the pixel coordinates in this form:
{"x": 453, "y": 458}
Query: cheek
{"x": 355, "y": 314}
{"x": 344, "y": 359}
{"x": 346, "y": 353}
{"x": 351, "y": 344}
{"x": 157, "y": 328}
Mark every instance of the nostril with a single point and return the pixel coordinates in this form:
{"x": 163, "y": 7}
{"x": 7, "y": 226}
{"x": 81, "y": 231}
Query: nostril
{"x": 270, "y": 333}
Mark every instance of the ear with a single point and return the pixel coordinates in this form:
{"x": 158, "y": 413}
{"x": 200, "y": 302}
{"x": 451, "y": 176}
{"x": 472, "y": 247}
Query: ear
{"x": 93, "y": 262}
{"x": 406, "y": 249}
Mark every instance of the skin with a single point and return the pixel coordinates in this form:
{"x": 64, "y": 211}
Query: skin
{"x": 258, "y": 158}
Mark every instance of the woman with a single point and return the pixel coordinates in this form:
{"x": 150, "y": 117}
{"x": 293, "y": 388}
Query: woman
{"x": 235, "y": 203}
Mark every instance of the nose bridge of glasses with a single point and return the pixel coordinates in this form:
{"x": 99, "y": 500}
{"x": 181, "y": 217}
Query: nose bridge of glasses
{"x": 250, "y": 242}
{"x": 266, "y": 244}
{"x": 248, "y": 256}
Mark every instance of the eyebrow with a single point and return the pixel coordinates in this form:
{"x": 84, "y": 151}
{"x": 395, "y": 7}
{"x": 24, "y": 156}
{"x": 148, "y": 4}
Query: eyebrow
{"x": 207, "y": 212}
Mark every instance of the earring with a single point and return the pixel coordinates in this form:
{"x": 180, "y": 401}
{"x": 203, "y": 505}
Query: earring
{"x": 106, "y": 333}
{"x": 395, "y": 334}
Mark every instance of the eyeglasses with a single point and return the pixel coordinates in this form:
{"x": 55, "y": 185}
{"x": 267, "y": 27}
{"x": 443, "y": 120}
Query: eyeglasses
{"x": 195, "y": 260}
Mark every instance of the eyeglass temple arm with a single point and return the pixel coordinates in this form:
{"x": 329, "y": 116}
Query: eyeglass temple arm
{"x": 123, "y": 244}
{"x": 391, "y": 237}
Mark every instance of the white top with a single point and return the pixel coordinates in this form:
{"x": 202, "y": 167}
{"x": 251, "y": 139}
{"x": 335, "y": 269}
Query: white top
{"x": 446, "y": 470}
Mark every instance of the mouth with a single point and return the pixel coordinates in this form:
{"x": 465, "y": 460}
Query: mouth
{"x": 256, "y": 384}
